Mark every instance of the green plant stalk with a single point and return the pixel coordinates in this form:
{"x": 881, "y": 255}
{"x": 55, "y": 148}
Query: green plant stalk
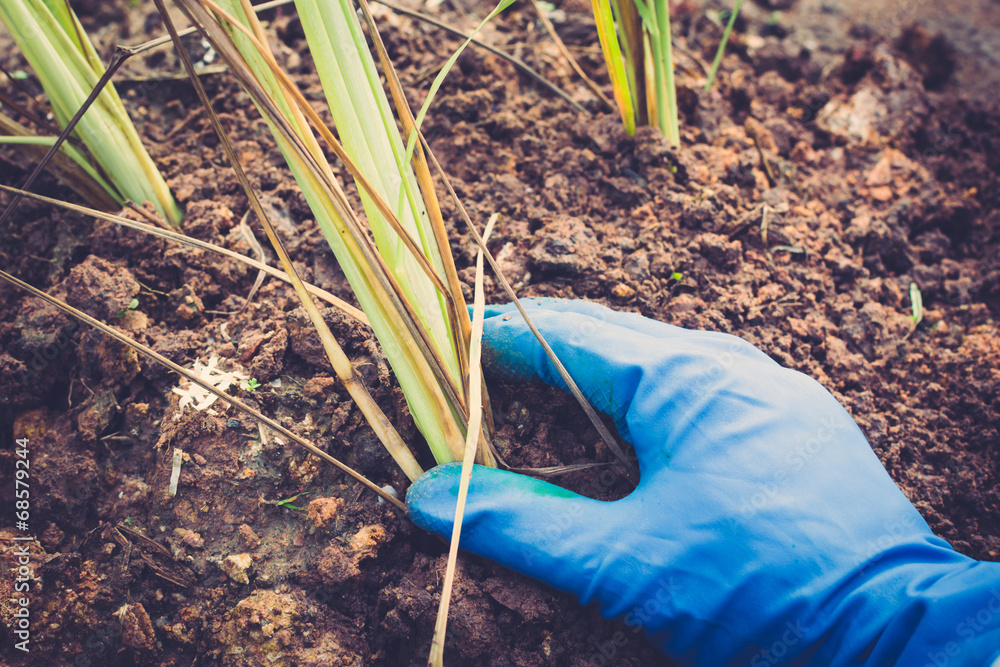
{"x": 666, "y": 88}
{"x": 68, "y": 68}
{"x": 367, "y": 128}
{"x": 714, "y": 70}
{"x": 417, "y": 158}
{"x": 604, "y": 19}
{"x": 630, "y": 27}
{"x": 440, "y": 422}
{"x": 316, "y": 181}
{"x": 644, "y": 28}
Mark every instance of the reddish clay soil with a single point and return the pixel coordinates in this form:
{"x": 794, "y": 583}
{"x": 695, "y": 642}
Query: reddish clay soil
{"x": 812, "y": 188}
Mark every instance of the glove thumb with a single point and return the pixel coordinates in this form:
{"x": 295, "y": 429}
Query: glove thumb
{"x": 525, "y": 524}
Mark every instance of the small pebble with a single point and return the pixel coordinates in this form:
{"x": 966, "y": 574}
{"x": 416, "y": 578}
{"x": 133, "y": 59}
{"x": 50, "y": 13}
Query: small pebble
{"x": 390, "y": 490}
{"x": 236, "y": 566}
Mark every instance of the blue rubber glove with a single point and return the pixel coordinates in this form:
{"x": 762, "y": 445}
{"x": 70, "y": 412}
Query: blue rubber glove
{"x": 763, "y": 531}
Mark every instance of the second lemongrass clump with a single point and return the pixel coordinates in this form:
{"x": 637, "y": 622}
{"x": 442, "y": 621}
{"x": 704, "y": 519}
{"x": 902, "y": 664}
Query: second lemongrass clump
{"x": 640, "y": 60}
{"x": 636, "y": 41}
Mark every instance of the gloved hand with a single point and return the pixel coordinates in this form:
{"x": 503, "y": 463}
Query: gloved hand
{"x": 763, "y": 531}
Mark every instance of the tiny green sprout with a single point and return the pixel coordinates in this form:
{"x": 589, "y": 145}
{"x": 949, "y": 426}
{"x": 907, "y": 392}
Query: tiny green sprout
{"x": 676, "y": 275}
{"x": 916, "y": 304}
{"x": 132, "y": 305}
{"x": 252, "y": 384}
{"x": 287, "y": 502}
{"x": 129, "y": 521}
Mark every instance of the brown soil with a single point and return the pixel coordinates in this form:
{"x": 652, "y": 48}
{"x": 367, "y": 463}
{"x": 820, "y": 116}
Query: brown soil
{"x": 810, "y": 192}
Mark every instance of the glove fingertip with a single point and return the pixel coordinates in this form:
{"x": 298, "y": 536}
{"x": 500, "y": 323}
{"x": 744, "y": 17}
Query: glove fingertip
{"x": 431, "y": 499}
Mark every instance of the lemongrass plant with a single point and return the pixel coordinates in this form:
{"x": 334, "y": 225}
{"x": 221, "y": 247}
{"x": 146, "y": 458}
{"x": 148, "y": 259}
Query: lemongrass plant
{"x": 636, "y": 42}
{"x": 640, "y": 60}
{"x": 399, "y": 265}
{"x": 56, "y": 47}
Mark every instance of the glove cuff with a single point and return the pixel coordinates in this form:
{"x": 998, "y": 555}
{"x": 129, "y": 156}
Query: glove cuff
{"x": 928, "y": 605}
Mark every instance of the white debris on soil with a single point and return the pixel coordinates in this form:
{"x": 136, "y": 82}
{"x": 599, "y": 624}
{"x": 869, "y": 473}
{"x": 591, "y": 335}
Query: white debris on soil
{"x": 200, "y": 398}
{"x": 175, "y": 472}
